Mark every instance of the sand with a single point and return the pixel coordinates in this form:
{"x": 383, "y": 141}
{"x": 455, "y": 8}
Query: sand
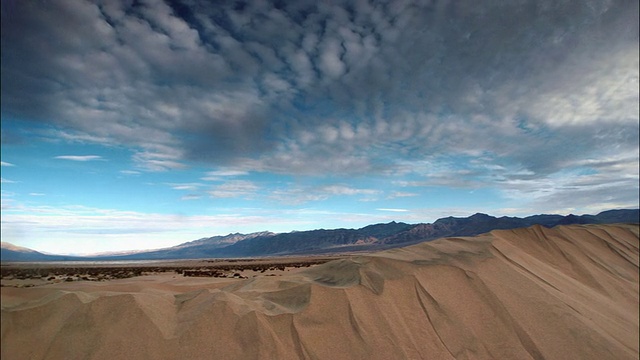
{"x": 570, "y": 292}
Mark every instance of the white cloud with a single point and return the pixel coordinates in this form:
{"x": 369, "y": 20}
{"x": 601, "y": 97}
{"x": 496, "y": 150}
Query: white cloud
{"x": 400, "y": 194}
{"x": 234, "y": 189}
{"x": 158, "y": 161}
{"x": 346, "y": 190}
{"x": 587, "y": 192}
{"x": 130, "y": 172}
{"x": 79, "y": 157}
{"x": 79, "y": 137}
{"x": 295, "y": 195}
{"x": 185, "y": 186}
{"x": 191, "y": 197}
{"x": 6, "y": 164}
{"x": 221, "y": 174}
{"x": 606, "y": 93}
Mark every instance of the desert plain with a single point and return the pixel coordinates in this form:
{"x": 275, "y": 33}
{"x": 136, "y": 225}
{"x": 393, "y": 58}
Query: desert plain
{"x": 570, "y": 292}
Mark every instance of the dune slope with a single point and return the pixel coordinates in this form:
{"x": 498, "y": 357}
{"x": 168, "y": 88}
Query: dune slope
{"x": 570, "y": 292}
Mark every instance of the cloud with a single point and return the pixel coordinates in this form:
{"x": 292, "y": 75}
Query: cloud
{"x": 130, "y": 172}
{"x": 591, "y": 185}
{"x": 191, "y": 197}
{"x": 6, "y": 181}
{"x": 158, "y": 161}
{"x": 401, "y": 194}
{"x": 346, "y": 190}
{"x": 185, "y": 186}
{"x": 298, "y": 194}
{"x": 78, "y": 137}
{"x": 79, "y": 157}
{"x": 392, "y": 210}
{"x": 348, "y": 89}
{"x": 7, "y": 164}
{"x": 234, "y": 189}
{"x": 221, "y": 174}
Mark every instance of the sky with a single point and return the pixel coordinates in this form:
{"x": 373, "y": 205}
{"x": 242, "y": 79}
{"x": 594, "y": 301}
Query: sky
{"x": 145, "y": 124}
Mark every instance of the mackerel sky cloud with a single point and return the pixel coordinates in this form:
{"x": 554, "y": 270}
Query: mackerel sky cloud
{"x": 308, "y": 114}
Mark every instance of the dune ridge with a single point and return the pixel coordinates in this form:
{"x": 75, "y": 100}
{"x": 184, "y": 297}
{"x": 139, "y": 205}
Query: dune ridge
{"x": 570, "y": 292}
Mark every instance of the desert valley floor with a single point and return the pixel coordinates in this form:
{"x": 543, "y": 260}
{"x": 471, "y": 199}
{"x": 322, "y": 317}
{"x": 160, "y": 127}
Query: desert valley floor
{"x": 570, "y": 292}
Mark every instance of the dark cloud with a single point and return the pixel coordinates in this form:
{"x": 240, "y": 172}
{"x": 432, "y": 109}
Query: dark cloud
{"x": 340, "y": 88}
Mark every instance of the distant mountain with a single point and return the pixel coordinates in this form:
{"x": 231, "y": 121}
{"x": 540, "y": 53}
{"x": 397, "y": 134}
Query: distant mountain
{"x": 10, "y": 252}
{"x": 222, "y": 241}
{"x": 482, "y": 223}
{"x": 314, "y": 241}
{"x": 372, "y": 237}
{"x": 197, "y": 249}
{"x": 382, "y": 236}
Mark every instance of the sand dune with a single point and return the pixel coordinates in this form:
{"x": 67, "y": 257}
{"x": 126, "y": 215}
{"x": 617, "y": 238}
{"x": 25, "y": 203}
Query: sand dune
{"x": 565, "y": 293}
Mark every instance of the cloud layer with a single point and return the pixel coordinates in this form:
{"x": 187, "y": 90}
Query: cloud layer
{"x": 460, "y": 93}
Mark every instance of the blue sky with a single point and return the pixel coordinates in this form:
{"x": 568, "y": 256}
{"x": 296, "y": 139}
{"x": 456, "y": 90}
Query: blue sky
{"x": 145, "y": 124}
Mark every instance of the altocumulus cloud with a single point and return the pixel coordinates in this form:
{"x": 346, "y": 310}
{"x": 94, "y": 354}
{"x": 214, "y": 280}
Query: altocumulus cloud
{"x": 526, "y": 90}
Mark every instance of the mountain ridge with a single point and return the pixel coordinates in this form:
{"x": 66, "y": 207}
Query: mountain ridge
{"x": 369, "y": 238}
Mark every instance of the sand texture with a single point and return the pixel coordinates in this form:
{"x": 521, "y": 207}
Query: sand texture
{"x": 570, "y": 292}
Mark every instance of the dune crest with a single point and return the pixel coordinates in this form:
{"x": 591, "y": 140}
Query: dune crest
{"x": 570, "y": 292}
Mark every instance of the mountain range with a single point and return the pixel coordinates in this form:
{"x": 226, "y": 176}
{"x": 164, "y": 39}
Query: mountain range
{"x": 321, "y": 241}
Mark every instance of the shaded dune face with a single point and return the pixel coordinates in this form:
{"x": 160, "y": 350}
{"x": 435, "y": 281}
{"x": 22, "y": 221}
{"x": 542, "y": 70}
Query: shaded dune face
{"x": 570, "y": 292}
